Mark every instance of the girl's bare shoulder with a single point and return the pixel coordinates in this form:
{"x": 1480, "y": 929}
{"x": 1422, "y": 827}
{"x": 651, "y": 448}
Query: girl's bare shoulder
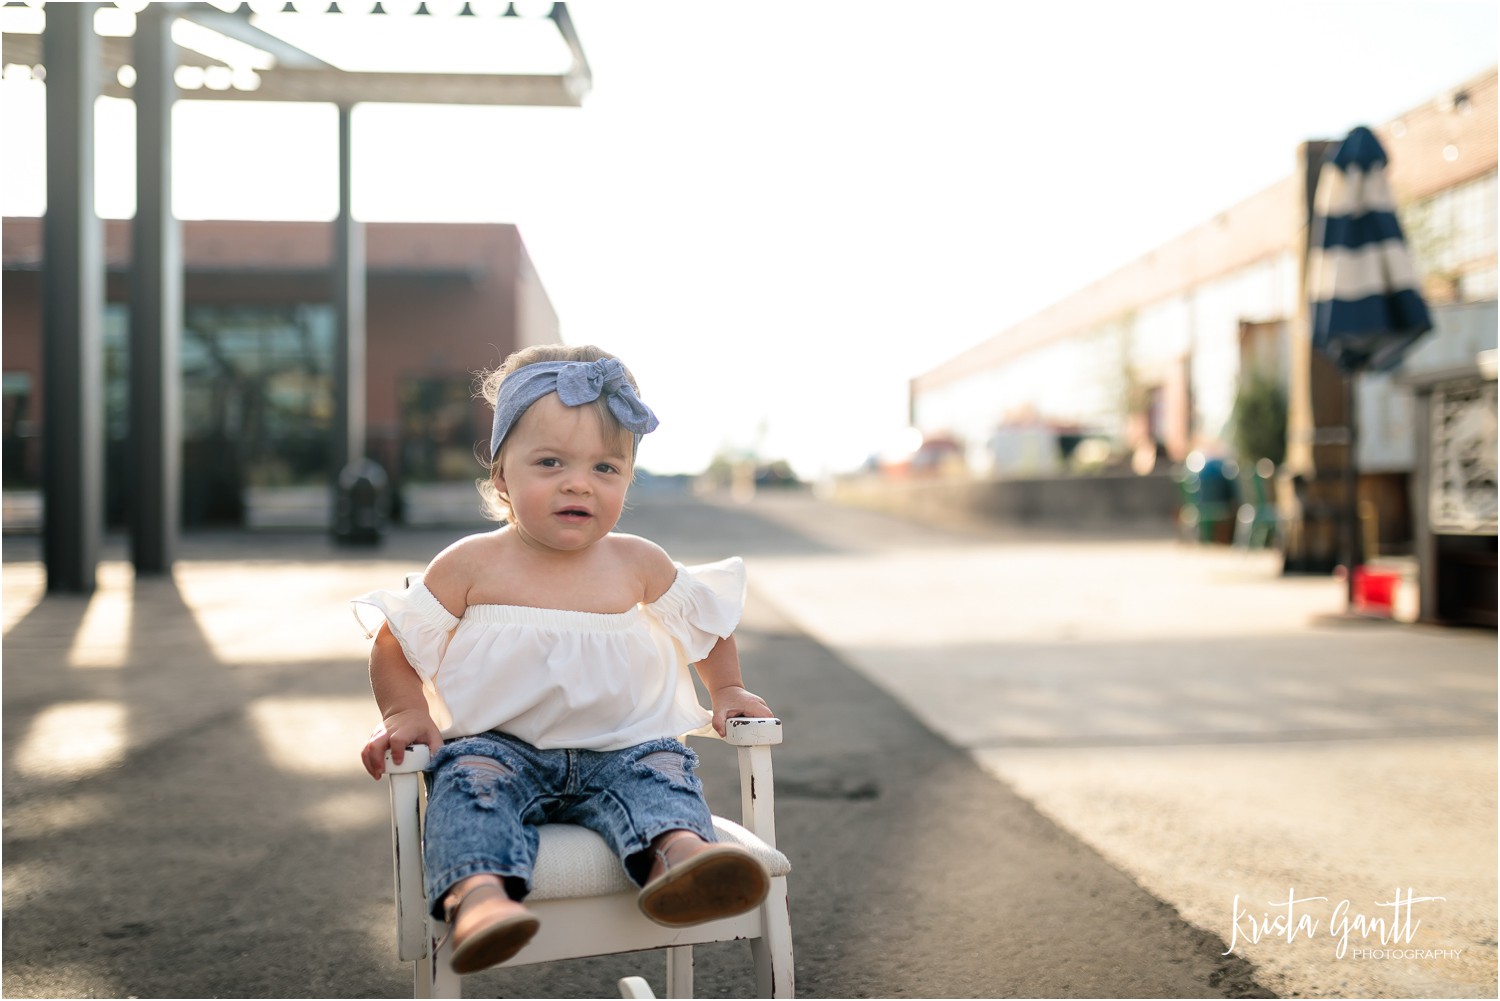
{"x": 649, "y": 561}
{"x": 453, "y": 573}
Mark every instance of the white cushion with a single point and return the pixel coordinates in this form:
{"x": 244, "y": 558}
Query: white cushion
{"x": 573, "y": 861}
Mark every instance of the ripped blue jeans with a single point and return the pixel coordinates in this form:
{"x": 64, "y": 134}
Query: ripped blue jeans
{"x": 487, "y": 794}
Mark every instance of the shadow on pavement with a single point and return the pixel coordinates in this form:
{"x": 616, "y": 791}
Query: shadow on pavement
{"x": 227, "y": 844}
{"x": 179, "y": 858}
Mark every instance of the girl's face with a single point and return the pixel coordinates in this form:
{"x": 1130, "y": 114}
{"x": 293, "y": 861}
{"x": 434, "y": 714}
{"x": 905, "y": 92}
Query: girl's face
{"x": 565, "y": 474}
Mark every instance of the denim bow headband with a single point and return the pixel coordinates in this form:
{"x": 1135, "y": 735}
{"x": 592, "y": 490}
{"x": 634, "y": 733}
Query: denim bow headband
{"x": 575, "y": 383}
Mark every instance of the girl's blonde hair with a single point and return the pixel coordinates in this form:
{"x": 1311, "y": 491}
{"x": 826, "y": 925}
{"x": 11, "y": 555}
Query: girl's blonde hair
{"x": 495, "y": 505}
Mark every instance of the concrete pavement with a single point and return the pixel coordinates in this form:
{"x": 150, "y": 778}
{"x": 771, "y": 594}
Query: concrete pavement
{"x": 184, "y": 815}
{"x": 1221, "y": 733}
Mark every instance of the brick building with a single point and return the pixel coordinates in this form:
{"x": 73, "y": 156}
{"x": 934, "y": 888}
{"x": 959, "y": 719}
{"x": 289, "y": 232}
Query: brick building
{"x": 443, "y": 300}
{"x": 1159, "y": 347}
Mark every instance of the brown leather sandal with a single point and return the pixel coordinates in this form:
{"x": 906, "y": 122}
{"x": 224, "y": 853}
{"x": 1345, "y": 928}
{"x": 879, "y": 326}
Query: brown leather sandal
{"x": 488, "y": 931}
{"x": 718, "y": 881}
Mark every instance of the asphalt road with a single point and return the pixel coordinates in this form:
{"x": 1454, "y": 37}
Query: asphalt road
{"x": 185, "y": 817}
{"x": 1225, "y": 735}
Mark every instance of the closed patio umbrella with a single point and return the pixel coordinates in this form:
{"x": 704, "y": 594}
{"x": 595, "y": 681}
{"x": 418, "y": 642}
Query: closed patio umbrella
{"x": 1366, "y": 307}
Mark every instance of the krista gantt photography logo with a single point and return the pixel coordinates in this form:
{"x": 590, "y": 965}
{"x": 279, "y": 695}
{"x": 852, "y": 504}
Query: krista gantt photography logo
{"x": 1385, "y": 931}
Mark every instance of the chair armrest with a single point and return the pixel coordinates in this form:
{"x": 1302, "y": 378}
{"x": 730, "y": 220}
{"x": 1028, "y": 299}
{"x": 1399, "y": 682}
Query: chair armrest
{"x": 753, "y": 738}
{"x": 749, "y": 731}
{"x": 415, "y": 759}
{"x": 405, "y": 783}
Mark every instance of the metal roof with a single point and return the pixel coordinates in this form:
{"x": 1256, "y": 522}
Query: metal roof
{"x": 264, "y": 55}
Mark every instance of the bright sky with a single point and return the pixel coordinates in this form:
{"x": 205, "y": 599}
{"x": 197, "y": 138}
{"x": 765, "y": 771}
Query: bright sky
{"x": 779, "y": 212}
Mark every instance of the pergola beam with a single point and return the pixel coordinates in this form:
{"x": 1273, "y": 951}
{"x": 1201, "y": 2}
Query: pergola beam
{"x": 300, "y": 76}
{"x": 347, "y": 87}
{"x": 238, "y": 27}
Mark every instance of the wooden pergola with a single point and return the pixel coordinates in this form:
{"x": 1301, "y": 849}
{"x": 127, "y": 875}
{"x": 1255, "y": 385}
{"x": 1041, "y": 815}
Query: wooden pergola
{"x": 261, "y": 65}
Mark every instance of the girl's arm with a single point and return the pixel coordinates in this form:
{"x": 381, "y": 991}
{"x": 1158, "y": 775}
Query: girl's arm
{"x": 720, "y": 672}
{"x": 403, "y": 707}
{"x": 395, "y": 683}
{"x": 720, "y": 669}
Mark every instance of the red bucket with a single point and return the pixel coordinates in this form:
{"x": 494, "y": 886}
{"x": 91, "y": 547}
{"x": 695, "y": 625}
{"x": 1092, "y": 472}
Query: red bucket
{"x": 1375, "y": 590}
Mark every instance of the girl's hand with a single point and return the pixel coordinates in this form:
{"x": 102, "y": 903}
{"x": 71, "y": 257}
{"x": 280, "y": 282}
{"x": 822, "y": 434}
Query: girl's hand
{"x": 396, "y": 733}
{"x": 734, "y": 700}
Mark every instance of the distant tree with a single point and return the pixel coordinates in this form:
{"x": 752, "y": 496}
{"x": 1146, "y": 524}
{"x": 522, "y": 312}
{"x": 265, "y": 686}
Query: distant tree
{"x": 1260, "y": 418}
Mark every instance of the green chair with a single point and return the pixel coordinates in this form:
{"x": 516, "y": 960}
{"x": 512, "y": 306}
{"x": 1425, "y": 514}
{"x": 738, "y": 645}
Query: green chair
{"x": 1256, "y": 522}
{"x": 1206, "y": 497}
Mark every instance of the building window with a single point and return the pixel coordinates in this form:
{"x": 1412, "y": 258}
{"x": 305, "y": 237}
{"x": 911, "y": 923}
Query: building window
{"x": 438, "y": 432}
{"x": 257, "y": 404}
{"x": 23, "y": 467}
{"x": 258, "y": 391}
{"x": 1452, "y": 236}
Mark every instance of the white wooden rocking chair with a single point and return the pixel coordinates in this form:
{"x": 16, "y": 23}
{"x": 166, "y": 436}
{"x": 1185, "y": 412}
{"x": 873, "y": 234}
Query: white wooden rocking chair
{"x": 584, "y": 900}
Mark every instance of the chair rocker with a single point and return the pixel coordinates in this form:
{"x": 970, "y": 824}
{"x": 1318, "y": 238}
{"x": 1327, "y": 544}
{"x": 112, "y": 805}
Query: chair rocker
{"x": 582, "y": 897}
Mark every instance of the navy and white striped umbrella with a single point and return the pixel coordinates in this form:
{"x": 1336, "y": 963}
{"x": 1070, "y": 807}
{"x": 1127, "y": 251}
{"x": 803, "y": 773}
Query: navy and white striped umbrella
{"x": 1366, "y": 307}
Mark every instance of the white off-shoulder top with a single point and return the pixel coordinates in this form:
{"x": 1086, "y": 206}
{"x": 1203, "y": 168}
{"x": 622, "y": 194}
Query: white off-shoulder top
{"x": 557, "y": 678}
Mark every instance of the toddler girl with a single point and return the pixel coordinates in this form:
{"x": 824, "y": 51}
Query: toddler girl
{"x": 546, "y": 665}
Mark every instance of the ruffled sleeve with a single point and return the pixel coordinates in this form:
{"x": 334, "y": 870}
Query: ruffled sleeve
{"x": 417, "y": 619}
{"x": 702, "y": 606}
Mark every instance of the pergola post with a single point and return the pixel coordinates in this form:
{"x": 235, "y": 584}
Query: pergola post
{"x": 72, "y": 306}
{"x": 348, "y": 440}
{"x": 155, "y": 305}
